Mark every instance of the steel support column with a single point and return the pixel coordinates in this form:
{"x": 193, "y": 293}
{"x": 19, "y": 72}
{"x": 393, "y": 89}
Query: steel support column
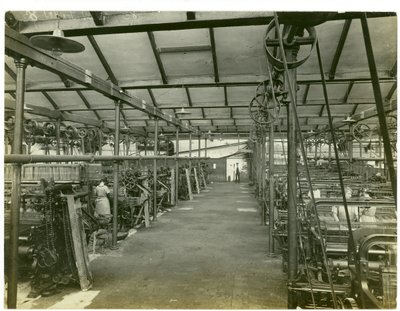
{"x": 16, "y": 185}
{"x": 379, "y": 103}
{"x": 199, "y": 146}
{"x": 292, "y": 172}
{"x": 100, "y": 133}
{"x": 205, "y": 146}
{"x": 263, "y": 151}
{"x": 177, "y": 167}
{"x": 116, "y": 172}
{"x": 58, "y": 124}
{"x": 190, "y": 152}
{"x": 155, "y": 170}
{"x": 271, "y": 204}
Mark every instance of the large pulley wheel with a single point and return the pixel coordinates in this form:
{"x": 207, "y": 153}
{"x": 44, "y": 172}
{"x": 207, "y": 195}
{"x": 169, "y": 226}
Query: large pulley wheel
{"x": 9, "y": 124}
{"x": 258, "y": 111}
{"x": 271, "y": 43}
{"x": 265, "y": 107}
{"x": 91, "y": 134}
{"x": 49, "y": 129}
{"x": 361, "y": 131}
{"x": 82, "y": 132}
{"x": 70, "y": 131}
{"x": 30, "y": 126}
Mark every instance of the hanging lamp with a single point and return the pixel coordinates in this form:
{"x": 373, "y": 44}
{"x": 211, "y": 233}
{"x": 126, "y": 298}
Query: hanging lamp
{"x": 183, "y": 111}
{"x": 57, "y": 43}
{"x": 349, "y": 120}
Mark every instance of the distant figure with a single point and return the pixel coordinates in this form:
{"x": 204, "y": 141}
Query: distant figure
{"x": 339, "y": 212}
{"x": 237, "y": 174}
{"x": 102, "y": 199}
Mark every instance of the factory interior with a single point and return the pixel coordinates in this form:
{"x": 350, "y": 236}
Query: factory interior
{"x": 200, "y": 160}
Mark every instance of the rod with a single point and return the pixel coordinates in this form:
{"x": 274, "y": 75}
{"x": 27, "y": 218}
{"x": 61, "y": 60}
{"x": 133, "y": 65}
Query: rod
{"x": 190, "y": 152}
{"x": 177, "y": 167}
{"x": 379, "y": 102}
{"x": 58, "y": 124}
{"x": 24, "y": 158}
{"x": 155, "y": 170}
{"x": 271, "y": 187}
{"x": 100, "y": 133}
{"x": 292, "y": 171}
{"x": 205, "y": 146}
{"x": 263, "y": 151}
{"x": 16, "y": 186}
{"x": 199, "y": 146}
{"x": 116, "y": 171}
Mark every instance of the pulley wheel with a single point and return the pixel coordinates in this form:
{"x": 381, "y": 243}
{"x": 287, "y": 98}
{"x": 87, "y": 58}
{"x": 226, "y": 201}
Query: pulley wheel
{"x": 49, "y": 128}
{"x": 361, "y": 131}
{"x": 82, "y": 132}
{"x": 9, "y": 124}
{"x": 70, "y": 131}
{"x": 30, "y": 126}
{"x": 273, "y": 43}
{"x": 91, "y": 133}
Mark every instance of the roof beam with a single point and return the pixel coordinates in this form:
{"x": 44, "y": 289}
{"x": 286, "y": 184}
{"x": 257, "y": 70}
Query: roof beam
{"x": 113, "y": 24}
{"x": 188, "y": 97}
{"x": 124, "y": 118}
{"x": 214, "y": 55}
{"x": 51, "y": 100}
{"x": 97, "y": 17}
{"x": 155, "y": 84}
{"x": 305, "y": 97}
{"x": 153, "y": 99}
{"x": 347, "y": 94}
{"x": 307, "y": 89}
{"x": 393, "y": 71}
{"x": 391, "y": 92}
{"x": 184, "y": 49}
{"x": 65, "y": 80}
{"x": 339, "y": 49}
{"x": 17, "y": 44}
{"x": 44, "y": 112}
{"x": 87, "y": 104}
{"x": 102, "y": 59}
{"x": 354, "y": 109}
{"x": 211, "y": 106}
{"x": 157, "y": 57}
{"x": 12, "y": 74}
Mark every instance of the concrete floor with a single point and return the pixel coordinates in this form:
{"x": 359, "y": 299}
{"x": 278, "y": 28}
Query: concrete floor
{"x": 210, "y": 253}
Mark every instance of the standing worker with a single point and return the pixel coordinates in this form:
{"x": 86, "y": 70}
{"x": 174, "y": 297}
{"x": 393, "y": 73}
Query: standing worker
{"x": 102, "y": 209}
{"x": 237, "y": 175}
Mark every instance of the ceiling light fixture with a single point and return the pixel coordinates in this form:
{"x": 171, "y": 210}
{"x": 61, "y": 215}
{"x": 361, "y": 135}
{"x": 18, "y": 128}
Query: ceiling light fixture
{"x": 57, "y": 43}
{"x": 183, "y": 111}
{"x": 349, "y": 120}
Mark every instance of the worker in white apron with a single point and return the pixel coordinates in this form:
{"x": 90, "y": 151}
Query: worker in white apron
{"x": 102, "y": 200}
